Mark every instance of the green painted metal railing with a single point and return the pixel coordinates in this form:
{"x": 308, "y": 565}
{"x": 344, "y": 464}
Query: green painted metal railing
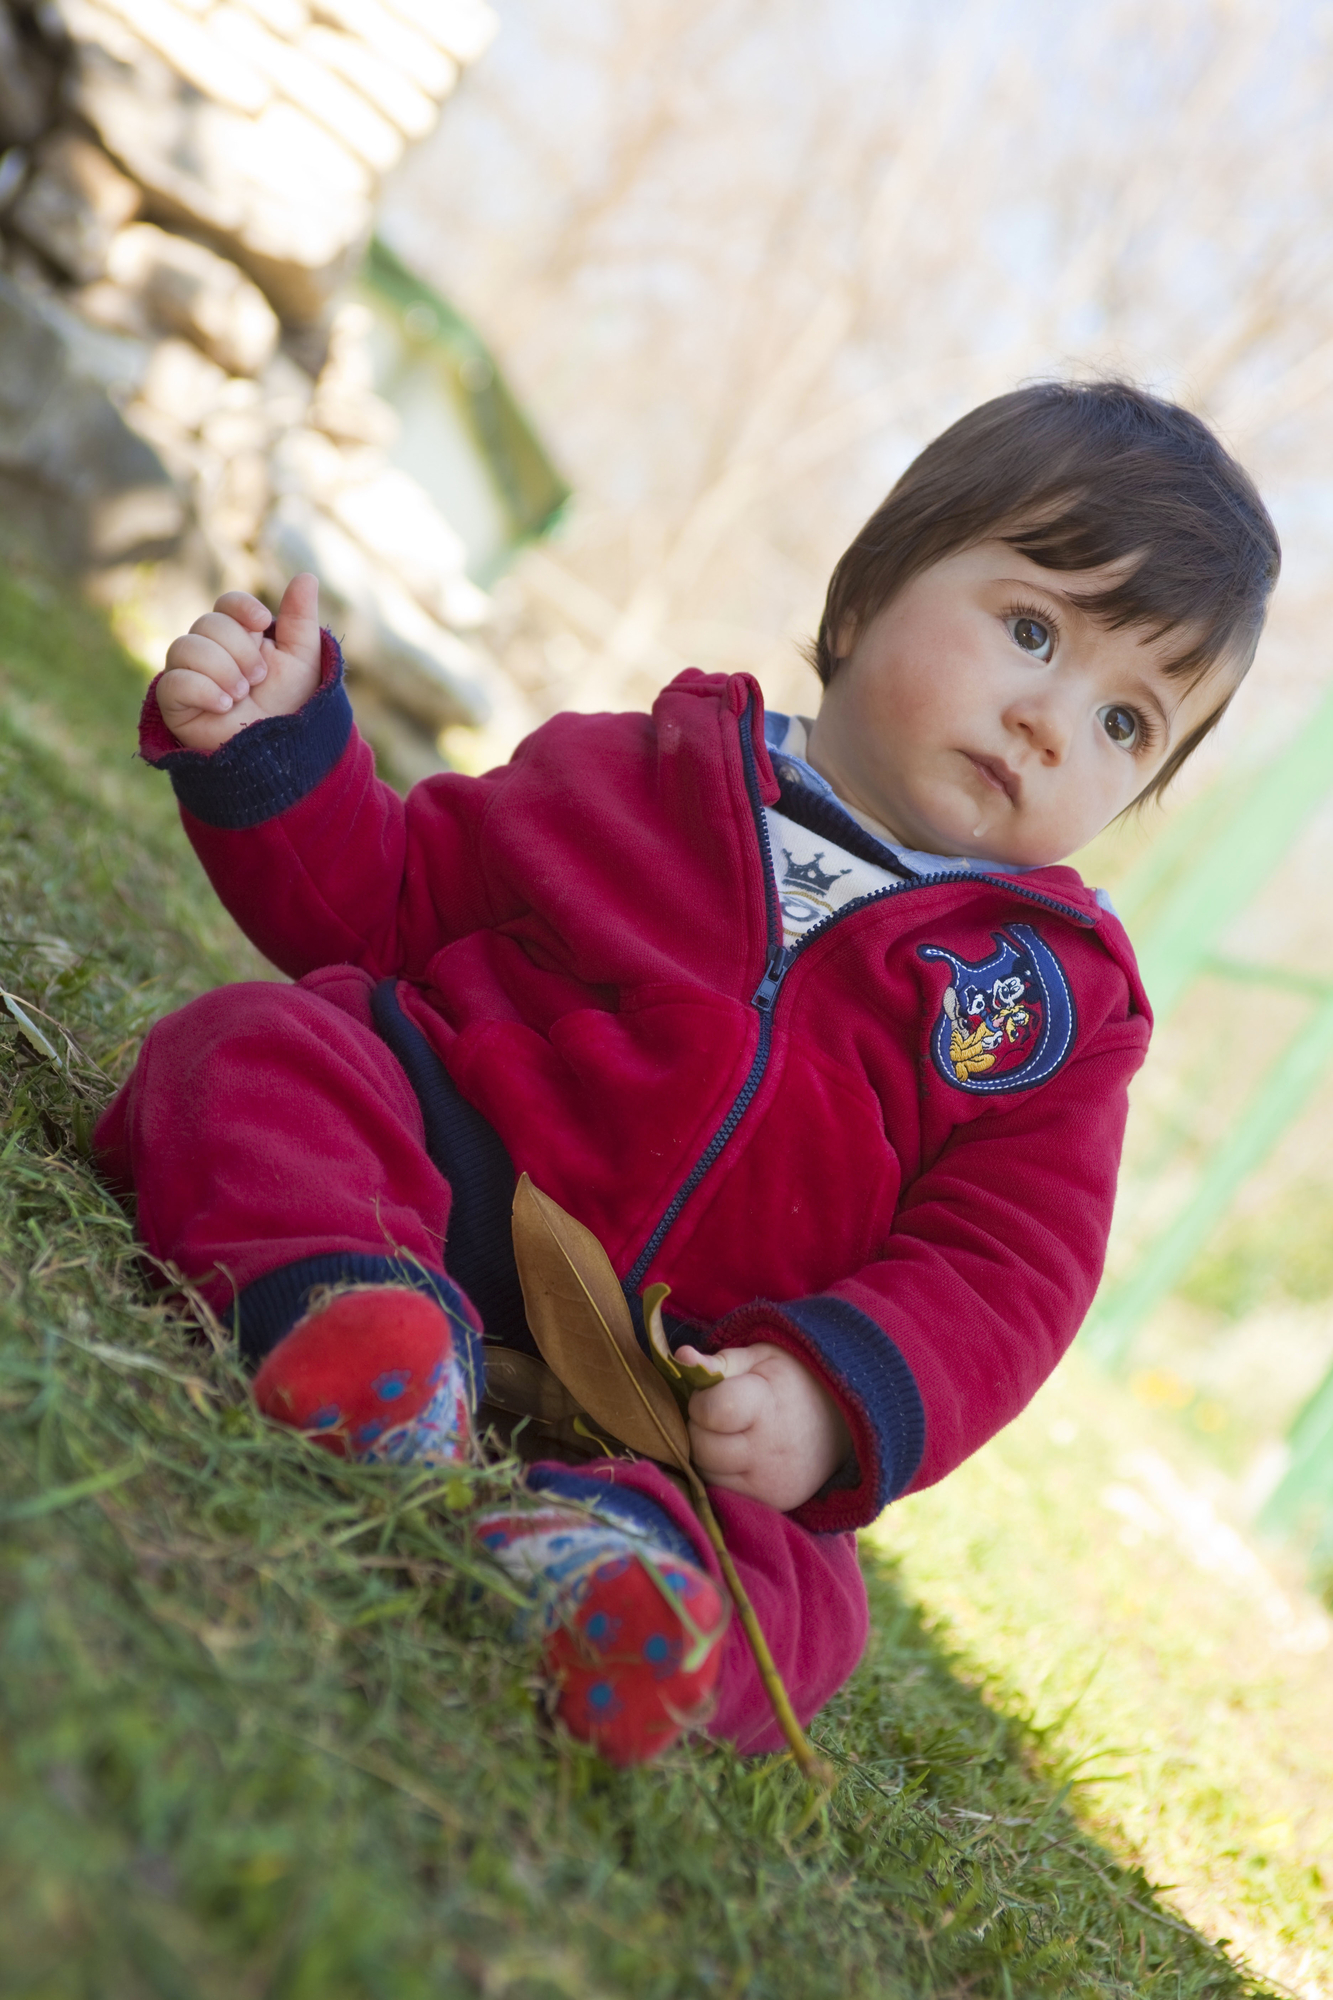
{"x": 531, "y": 490}
{"x": 1190, "y": 889}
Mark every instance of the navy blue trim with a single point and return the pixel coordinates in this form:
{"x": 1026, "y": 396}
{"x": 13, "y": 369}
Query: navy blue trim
{"x": 471, "y": 1155}
{"x": 820, "y": 815}
{"x": 861, "y": 1355}
{"x": 1025, "y": 958}
{"x": 620, "y": 1506}
{"x": 268, "y": 1309}
{"x": 263, "y": 770}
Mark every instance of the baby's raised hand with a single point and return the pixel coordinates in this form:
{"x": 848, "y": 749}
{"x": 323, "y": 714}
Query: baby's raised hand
{"x": 223, "y": 674}
{"x": 770, "y": 1429}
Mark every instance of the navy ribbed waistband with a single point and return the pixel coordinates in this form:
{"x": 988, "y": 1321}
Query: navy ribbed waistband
{"x": 469, "y": 1152}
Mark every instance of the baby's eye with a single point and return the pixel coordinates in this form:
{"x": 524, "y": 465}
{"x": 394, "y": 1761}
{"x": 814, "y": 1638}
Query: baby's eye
{"x": 1122, "y": 725}
{"x": 1032, "y": 636}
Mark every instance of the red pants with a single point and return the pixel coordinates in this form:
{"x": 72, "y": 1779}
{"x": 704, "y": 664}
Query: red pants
{"x": 274, "y": 1142}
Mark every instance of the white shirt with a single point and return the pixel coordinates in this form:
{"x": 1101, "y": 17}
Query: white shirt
{"x": 815, "y": 876}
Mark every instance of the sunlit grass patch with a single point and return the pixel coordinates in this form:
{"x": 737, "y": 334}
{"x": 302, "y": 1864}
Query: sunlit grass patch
{"x": 1086, "y": 1567}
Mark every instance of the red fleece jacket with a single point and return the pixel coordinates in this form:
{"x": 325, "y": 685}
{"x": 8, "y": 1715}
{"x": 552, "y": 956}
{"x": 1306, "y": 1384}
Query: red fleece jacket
{"x": 808, "y": 1146}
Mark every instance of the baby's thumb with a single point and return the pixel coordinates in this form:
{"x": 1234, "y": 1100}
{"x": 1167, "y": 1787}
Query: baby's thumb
{"x": 726, "y": 1362}
{"x": 297, "y": 621}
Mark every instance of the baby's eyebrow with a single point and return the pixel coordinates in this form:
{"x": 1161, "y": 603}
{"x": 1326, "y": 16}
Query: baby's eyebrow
{"x": 1071, "y": 598}
{"x": 1150, "y": 694}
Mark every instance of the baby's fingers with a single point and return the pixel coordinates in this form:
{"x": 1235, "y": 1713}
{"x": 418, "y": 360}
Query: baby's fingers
{"x": 245, "y": 609}
{"x": 182, "y": 693}
{"x": 201, "y": 653}
{"x": 730, "y": 1406}
{"x": 722, "y": 1457}
{"x": 240, "y": 645}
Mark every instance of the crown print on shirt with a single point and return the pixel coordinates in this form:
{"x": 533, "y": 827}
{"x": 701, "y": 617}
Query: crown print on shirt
{"x": 804, "y": 891}
{"x": 809, "y": 874}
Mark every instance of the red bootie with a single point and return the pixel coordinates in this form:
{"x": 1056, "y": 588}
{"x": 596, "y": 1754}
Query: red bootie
{"x": 634, "y": 1645}
{"x": 374, "y": 1373}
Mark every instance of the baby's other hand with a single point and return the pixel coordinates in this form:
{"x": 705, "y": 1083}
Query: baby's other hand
{"x": 770, "y": 1429}
{"x": 223, "y": 674}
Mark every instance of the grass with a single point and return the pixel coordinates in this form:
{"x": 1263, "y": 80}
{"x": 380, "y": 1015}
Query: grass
{"x": 261, "y": 1731}
{"x": 1085, "y": 1565}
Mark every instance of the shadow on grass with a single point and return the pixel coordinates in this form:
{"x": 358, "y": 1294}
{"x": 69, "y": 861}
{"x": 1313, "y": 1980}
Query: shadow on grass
{"x": 988, "y": 1810}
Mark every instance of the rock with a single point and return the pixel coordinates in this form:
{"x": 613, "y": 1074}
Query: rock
{"x": 307, "y": 463}
{"x": 113, "y": 309}
{"x": 388, "y": 89}
{"x": 104, "y": 495}
{"x": 235, "y": 510}
{"x": 306, "y": 83}
{"x": 276, "y": 193}
{"x": 195, "y": 53}
{"x": 182, "y": 384}
{"x": 116, "y": 361}
{"x": 415, "y": 54}
{"x": 13, "y": 173}
{"x": 395, "y": 521}
{"x": 174, "y": 377}
{"x": 189, "y": 290}
{"x": 287, "y": 391}
{"x": 466, "y": 28}
{"x": 345, "y": 405}
{"x": 239, "y": 432}
{"x": 72, "y": 204}
{"x": 27, "y": 83}
{"x": 288, "y": 18}
{"x": 405, "y": 752}
{"x": 423, "y": 670}
{"x": 388, "y": 515}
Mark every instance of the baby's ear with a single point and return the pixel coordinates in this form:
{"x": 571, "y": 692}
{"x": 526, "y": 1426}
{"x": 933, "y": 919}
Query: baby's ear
{"x": 844, "y": 639}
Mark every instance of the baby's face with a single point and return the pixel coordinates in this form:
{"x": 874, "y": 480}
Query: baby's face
{"x": 984, "y": 713}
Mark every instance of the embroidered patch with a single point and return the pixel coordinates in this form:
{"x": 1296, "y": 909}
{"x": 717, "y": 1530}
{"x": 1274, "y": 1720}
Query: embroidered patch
{"x": 1006, "y": 1022}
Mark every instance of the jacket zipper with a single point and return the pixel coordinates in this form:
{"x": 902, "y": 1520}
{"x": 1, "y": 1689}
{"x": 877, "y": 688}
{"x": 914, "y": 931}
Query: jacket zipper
{"x": 779, "y": 963}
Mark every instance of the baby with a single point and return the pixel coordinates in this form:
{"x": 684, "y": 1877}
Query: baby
{"x": 800, "y": 1017}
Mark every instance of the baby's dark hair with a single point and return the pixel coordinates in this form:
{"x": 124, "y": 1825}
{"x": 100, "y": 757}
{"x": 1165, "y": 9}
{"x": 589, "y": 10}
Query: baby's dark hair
{"x": 1076, "y": 475}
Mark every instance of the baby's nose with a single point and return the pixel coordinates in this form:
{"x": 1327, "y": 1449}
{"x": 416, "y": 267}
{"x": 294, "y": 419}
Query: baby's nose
{"x": 1044, "y": 720}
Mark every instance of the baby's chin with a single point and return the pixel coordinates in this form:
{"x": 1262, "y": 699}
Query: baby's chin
{"x": 983, "y": 853}
{"x": 984, "y": 832}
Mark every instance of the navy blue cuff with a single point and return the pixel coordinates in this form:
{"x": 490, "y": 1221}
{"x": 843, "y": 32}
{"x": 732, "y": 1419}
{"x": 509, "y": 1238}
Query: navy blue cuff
{"x": 265, "y": 769}
{"x": 820, "y": 815}
{"x": 876, "y": 1378}
{"x": 622, "y": 1506}
{"x": 269, "y": 1308}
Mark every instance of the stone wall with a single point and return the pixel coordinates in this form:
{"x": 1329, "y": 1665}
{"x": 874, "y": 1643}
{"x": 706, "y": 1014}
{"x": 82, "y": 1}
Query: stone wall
{"x": 186, "y": 189}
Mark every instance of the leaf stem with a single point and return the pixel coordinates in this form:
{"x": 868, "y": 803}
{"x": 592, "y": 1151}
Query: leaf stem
{"x": 813, "y": 1768}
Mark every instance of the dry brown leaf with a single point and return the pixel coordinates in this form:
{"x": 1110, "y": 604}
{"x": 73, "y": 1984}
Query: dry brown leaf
{"x": 582, "y": 1326}
{"x": 681, "y": 1377}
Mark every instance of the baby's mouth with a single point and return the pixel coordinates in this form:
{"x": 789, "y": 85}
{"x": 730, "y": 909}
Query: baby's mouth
{"x": 996, "y": 774}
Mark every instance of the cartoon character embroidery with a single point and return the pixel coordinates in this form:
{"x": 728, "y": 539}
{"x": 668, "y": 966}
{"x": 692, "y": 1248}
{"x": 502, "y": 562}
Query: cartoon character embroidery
{"x": 1006, "y": 1022}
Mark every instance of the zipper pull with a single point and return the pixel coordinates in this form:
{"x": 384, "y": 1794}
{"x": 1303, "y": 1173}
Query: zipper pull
{"x": 767, "y": 990}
